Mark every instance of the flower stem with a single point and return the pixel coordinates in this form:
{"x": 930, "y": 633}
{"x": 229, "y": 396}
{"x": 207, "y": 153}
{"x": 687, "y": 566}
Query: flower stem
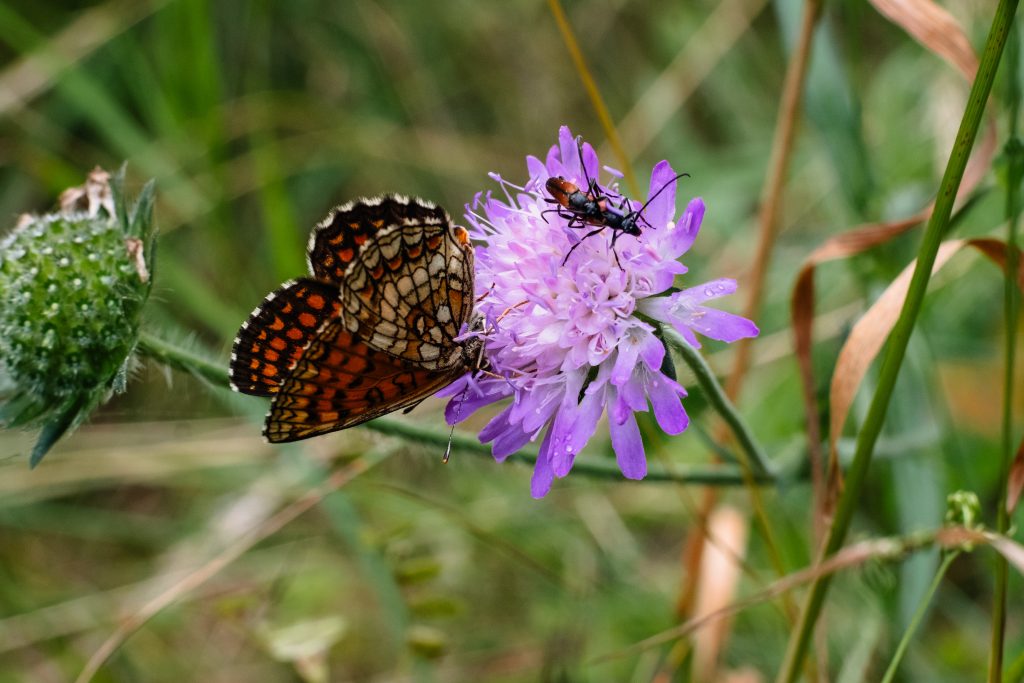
{"x": 183, "y": 359}
{"x": 915, "y": 621}
{"x": 755, "y": 456}
{"x": 1014, "y": 174}
{"x": 215, "y": 374}
{"x": 897, "y": 346}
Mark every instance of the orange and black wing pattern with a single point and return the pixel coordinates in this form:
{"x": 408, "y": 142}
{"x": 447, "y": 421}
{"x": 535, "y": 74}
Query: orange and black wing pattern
{"x": 277, "y": 331}
{"x": 375, "y": 330}
{"x": 340, "y": 381}
{"x": 337, "y": 240}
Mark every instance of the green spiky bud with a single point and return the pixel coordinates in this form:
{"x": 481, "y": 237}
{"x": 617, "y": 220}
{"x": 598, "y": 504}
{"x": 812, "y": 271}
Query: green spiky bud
{"x": 74, "y": 283}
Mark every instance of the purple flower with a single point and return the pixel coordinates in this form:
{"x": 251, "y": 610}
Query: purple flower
{"x": 574, "y": 340}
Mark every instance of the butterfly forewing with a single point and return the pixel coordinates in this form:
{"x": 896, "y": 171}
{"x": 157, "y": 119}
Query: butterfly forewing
{"x": 272, "y": 339}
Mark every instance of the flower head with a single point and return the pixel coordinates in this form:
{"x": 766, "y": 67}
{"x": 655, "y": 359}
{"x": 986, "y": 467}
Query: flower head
{"x": 74, "y": 284}
{"x": 575, "y": 338}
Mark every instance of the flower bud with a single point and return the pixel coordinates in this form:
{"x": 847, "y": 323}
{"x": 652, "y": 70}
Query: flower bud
{"x": 74, "y": 283}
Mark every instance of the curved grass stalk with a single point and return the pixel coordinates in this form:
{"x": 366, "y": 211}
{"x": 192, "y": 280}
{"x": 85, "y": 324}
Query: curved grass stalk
{"x": 594, "y": 94}
{"x": 796, "y": 651}
{"x": 1014, "y": 175}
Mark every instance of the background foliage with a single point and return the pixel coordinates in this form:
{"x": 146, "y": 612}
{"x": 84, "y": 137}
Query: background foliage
{"x": 255, "y": 118}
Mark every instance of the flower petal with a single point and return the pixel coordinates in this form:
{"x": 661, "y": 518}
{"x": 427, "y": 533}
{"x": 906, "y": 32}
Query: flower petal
{"x": 468, "y": 396}
{"x": 652, "y": 351}
{"x": 685, "y": 232}
{"x": 570, "y": 155}
{"x": 629, "y": 448}
{"x": 590, "y": 162}
{"x": 632, "y": 396}
{"x": 668, "y": 408}
{"x": 572, "y": 429}
{"x": 536, "y": 169}
{"x": 625, "y": 361}
{"x": 661, "y": 209}
{"x": 497, "y": 425}
{"x": 698, "y": 294}
{"x": 540, "y": 483}
{"x": 553, "y": 162}
{"x": 507, "y": 443}
{"x": 722, "y": 326}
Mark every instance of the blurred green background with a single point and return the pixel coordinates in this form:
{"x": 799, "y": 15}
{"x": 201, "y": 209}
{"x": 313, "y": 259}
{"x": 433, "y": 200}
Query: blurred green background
{"x": 256, "y": 118}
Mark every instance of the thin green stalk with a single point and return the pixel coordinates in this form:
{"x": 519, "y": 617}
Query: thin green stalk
{"x": 1014, "y": 174}
{"x": 755, "y": 456}
{"x": 590, "y": 85}
{"x": 897, "y": 346}
{"x": 926, "y": 599}
{"x": 216, "y": 374}
{"x": 180, "y": 358}
{"x": 1015, "y": 671}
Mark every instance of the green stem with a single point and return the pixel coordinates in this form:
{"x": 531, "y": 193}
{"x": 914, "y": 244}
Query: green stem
{"x": 183, "y": 359}
{"x": 926, "y": 599}
{"x": 796, "y": 651}
{"x": 755, "y": 456}
{"x": 1013, "y": 153}
{"x": 1015, "y": 671}
{"x": 216, "y": 374}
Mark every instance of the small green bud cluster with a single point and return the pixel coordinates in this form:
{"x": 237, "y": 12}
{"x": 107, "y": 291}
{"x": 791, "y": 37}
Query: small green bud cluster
{"x": 963, "y": 509}
{"x": 74, "y": 283}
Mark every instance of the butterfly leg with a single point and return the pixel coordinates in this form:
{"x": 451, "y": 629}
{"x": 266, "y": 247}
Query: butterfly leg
{"x": 509, "y": 310}
{"x": 484, "y": 295}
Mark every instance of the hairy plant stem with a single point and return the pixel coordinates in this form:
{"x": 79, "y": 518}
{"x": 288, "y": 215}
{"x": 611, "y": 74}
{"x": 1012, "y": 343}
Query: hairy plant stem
{"x": 189, "y": 361}
{"x": 896, "y": 348}
{"x": 754, "y": 458}
{"x": 1014, "y": 174}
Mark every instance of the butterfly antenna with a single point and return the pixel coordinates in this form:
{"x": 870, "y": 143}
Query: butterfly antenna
{"x": 448, "y": 448}
{"x": 451, "y": 434}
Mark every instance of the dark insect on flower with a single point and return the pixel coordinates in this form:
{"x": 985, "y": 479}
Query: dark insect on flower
{"x": 596, "y": 208}
{"x": 376, "y": 328}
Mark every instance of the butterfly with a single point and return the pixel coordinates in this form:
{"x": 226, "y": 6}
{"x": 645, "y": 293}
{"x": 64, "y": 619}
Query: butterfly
{"x": 375, "y": 328}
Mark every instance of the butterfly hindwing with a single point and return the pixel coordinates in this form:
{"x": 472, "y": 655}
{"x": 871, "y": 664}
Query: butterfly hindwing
{"x": 272, "y": 339}
{"x": 410, "y": 291}
{"x": 340, "y": 381}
